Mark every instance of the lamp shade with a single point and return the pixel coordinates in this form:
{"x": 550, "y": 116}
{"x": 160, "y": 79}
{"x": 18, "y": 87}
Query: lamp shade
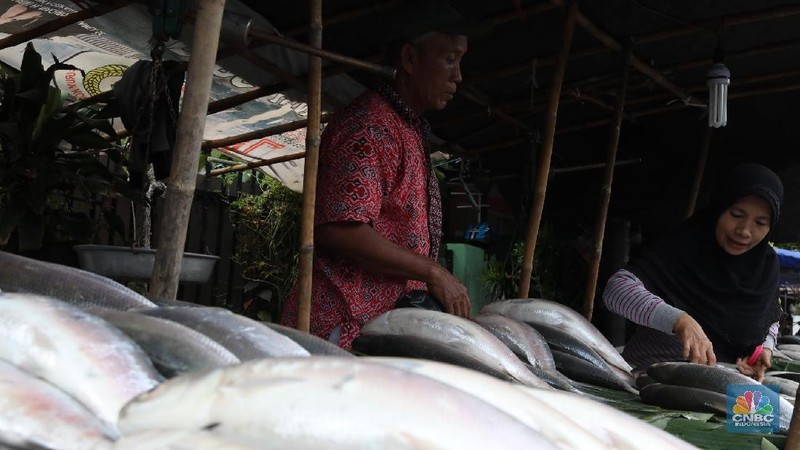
{"x": 718, "y": 79}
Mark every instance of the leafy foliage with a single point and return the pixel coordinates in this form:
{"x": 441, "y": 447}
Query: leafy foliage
{"x": 49, "y": 168}
{"x": 556, "y": 268}
{"x": 268, "y": 240}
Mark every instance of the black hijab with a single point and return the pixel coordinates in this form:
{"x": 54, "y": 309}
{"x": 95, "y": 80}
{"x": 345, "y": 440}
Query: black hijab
{"x": 734, "y": 298}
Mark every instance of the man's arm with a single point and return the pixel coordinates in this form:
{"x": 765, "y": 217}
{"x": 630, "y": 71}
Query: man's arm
{"x": 362, "y": 246}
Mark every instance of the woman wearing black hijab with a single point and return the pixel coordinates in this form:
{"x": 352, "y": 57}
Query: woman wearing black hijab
{"x": 709, "y": 291}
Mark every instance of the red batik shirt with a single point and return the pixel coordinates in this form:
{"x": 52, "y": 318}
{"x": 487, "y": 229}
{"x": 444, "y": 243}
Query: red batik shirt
{"x": 373, "y": 168}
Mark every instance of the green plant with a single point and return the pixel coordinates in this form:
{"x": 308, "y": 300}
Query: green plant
{"x": 49, "y": 167}
{"x": 268, "y": 241}
{"x": 554, "y": 277}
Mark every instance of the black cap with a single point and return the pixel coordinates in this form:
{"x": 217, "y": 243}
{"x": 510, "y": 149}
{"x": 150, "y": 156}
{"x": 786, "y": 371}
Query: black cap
{"x": 413, "y": 18}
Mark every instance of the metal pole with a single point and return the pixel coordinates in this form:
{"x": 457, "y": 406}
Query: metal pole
{"x": 191, "y": 123}
{"x": 310, "y": 175}
{"x": 543, "y": 171}
{"x": 602, "y": 214}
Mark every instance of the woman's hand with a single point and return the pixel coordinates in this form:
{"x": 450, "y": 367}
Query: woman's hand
{"x": 697, "y": 348}
{"x": 758, "y": 370}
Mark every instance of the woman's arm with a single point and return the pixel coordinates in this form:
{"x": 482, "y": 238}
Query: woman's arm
{"x": 626, "y": 295}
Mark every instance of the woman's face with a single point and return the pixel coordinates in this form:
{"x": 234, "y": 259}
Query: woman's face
{"x": 743, "y": 225}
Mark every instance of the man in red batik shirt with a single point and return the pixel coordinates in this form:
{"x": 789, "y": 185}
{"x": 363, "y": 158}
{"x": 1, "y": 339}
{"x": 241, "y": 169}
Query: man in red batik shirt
{"x": 378, "y": 218}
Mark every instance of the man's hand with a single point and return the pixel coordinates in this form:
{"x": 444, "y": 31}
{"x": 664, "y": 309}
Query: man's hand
{"x": 697, "y": 348}
{"x": 449, "y": 290}
{"x": 758, "y": 370}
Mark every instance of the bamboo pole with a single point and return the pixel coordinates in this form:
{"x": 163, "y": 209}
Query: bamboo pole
{"x": 698, "y": 174}
{"x": 310, "y": 174}
{"x": 182, "y": 179}
{"x": 61, "y": 22}
{"x": 319, "y": 52}
{"x": 259, "y": 163}
{"x": 257, "y": 134}
{"x": 605, "y": 192}
{"x": 543, "y": 170}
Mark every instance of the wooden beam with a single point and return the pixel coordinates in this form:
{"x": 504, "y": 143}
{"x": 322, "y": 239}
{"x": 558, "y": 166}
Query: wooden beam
{"x": 699, "y": 171}
{"x": 59, "y": 23}
{"x": 548, "y": 60}
{"x": 543, "y": 169}
{"x": 258, "y": 134}
{"x": 257, "y": 164}
{"x": 264, "y": 36}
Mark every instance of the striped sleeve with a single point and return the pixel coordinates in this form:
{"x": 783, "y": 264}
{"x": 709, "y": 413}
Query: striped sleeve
{"x": 626, "y": 295}
{"x": 772, "y": 336}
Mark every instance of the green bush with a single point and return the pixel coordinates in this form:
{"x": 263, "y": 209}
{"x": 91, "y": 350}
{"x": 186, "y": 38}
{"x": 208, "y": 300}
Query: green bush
{"x": 268, "y": 241}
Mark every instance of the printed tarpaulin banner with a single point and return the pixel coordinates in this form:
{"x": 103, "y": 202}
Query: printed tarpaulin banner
{"x": 105, "y": 46}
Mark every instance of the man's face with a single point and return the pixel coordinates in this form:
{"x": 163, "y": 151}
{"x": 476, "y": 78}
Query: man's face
{"x": 436, "y": 70}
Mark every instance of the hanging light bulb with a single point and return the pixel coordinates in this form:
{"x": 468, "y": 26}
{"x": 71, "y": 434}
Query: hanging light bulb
{"x": 718, "y": 79}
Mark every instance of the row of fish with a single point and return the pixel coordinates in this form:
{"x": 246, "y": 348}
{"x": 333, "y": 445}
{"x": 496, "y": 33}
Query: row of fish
{"x": 87, "y": 370}
{"x": 534, "y": 342}
{"x": 698, "y": 387}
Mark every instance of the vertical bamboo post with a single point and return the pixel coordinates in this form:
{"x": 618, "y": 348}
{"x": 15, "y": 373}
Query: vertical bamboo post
{"x": 543, "y": 170}
{"x": 602, "y": 213}
{"x": 183, "y": 177}
{"x": 698, "y": 176}
{"x": 310, "y": 174}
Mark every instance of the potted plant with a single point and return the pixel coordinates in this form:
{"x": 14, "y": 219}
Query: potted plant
{"x": 50, "y": 174}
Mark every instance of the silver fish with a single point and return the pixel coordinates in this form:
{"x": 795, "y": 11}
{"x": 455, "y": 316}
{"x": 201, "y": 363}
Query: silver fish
{"x": 624, "y": 430}
{"x": 314, "y": 344}
{"x": 36, "y": 414}
{"x": 538, "y": 311}
{"x": 565, "y": 342}
{"x": 352, "y": 404}
{"x": 244, "y": 337}
{"x": 787, "y": 386}
{"x": 81, "y": 354}
{"x": 788, "y": 339}
{"x": 581, "y": 370}
{"x": 419, "y": 347}
{"x": 529, "y": 345}
{"x": 186, "y": 439}
{"x": 555, "y": 425}
{"x": 76, "y": 286}
{"x": 460, "y": 333}
{"x": 684, "y": 398}
{"x": 173, "y": 348}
